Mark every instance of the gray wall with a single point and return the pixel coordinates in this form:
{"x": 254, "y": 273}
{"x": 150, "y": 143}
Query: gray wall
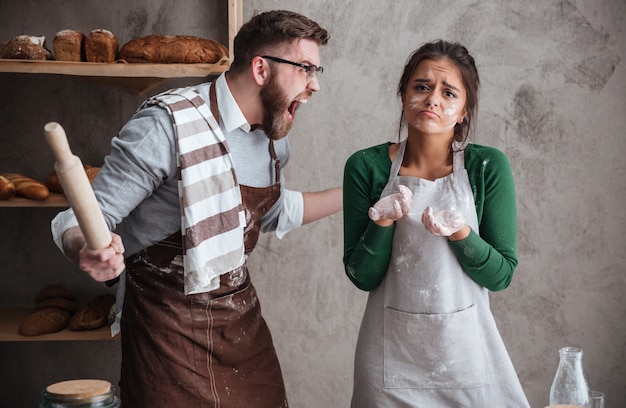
{"x": 553, "y": 98}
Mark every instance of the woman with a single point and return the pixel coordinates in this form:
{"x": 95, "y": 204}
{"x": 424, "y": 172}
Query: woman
{"x": 429, "y": 229}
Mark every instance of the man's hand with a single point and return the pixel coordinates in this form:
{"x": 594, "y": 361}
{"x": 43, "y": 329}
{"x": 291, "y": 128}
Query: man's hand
{"x": 101, "y": 264}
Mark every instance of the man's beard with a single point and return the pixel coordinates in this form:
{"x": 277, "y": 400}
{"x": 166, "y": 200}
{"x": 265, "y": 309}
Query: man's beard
{"x": 273, "y": 99}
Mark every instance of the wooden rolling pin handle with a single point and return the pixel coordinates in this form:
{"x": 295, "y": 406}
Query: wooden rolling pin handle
{"x": 77, "y": 188}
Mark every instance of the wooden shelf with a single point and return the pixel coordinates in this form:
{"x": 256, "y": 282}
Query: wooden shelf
{"x": 54, "y": 200}
{"x": 137, "y": 78}
{"x": 10, "y": 320}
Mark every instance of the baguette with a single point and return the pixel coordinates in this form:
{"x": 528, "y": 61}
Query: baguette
{"x": 28, "y": 187}
{"x": 7, "y": 188}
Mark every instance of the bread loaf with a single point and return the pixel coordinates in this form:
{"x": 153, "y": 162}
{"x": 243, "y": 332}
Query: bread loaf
{"x": 168, "y": 49}
{"x": 54, "y": 184}
{"x": 54, "y": 291}
{"x": 44, "y": 321}
{"x": 94, "y": 314}
{"x": 26, "y": 47}
{"x": 68, "y": 45}
{"x": 58, "y": 302}
{"x": 28, "y": 187}
{"x": 101, "y": 46}
{"x": 7, "y": 188}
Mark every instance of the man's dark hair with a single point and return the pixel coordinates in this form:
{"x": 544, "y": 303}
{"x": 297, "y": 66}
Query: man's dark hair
{"x": 266, "y": 31}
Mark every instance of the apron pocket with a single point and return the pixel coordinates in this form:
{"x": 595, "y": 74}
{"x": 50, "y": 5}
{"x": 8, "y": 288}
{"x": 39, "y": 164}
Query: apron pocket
{"x": 433, "y": 350}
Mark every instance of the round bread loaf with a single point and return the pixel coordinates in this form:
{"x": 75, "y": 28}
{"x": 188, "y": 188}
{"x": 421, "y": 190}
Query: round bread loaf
{"x": 26, "y": 47}
{"x": 44, "y": 321}
{"x": 94, "y": 314}
{"x": 61, "y": 303}
{"x": 54, "y": 291}
{"x": 54, "y": 184}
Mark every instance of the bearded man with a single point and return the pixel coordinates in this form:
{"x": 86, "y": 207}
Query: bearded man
{"x": 191, "y": 181}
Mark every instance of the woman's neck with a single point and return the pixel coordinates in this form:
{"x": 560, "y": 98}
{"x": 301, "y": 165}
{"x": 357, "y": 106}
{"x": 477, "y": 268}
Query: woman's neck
{"x": 427, "y": 156}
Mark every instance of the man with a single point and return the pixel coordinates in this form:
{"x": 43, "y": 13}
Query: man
{"x": 195, "y": 175}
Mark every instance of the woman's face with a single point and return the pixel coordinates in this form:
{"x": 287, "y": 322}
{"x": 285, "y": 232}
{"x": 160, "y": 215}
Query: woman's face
{"x": 435, "y": 98}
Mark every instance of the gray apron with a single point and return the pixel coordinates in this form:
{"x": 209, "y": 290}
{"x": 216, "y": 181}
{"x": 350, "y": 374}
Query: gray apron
{"x": 428, "y": 337}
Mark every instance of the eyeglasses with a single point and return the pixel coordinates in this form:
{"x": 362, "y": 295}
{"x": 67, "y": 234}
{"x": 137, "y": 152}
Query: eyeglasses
{"x": 311, "y": 70}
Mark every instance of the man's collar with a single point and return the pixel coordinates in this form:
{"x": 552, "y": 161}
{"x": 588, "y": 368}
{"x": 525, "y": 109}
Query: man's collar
{"x": 230, "y": 113}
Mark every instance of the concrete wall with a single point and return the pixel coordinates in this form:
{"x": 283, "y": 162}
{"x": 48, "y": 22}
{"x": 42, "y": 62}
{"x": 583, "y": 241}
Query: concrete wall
{"x": 553, "y": 98}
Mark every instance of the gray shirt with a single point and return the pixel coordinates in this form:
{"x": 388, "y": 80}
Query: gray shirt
{"x": 137, "y": 187}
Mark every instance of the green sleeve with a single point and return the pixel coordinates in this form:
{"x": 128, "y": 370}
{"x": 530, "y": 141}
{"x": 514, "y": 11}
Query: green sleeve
{"x": 367, "y": 246}
{"x": 489, "y": 257}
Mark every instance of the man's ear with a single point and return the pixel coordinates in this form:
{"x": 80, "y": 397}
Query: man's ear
{"x": 260, "y": 70}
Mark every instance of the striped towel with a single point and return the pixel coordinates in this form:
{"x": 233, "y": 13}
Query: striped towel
{"x": 212, "y": 216}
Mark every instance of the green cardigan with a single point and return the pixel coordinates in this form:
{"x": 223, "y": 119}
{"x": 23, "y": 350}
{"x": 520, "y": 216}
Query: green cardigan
{"x": 489, "y": 258}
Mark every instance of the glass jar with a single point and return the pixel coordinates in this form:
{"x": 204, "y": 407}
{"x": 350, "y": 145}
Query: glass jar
{"x": 570, "y": 386}
{"x": 80, "y": 394}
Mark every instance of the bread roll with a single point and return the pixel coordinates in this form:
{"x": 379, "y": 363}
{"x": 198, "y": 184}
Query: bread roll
{"x": 7, "y": 188}
{"x": 94, "y": 314}
{"x": 68, "y": 45}
{"x": 169, "y": 49}
{"x": 101, "y": 46}
{"x": 27, "y": 47}
{"x": 44, "y": 321}
{"x": 28, "y": 187}
{"x": 54, "y": 184}
{"x": 54, "y": 291}
{"x": 58, "y": 302}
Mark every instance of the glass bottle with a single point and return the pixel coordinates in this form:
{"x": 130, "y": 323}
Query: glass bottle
{"x": 80, "y": 394}
{"x": 570, "y": 386}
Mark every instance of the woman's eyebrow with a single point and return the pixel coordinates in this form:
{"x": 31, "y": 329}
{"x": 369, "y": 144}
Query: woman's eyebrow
{"x": 427, "y": 81}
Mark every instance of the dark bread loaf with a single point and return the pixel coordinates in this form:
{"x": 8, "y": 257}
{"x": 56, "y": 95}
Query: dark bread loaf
{"x": 60, "y": 303}
{"x": 44, "y": 321}
{"x": 94, "y": 314}
{"x": 54, "y": 184}
{"x": 54, "y": 291}
{"x": 68, "y": 45}
{"x": 28, "y": 187}
{"x": 7, "y": 188}
{"x": 101, "y": 46}
{"x": 26, "y": 47}
{"x": 171, "y": 49}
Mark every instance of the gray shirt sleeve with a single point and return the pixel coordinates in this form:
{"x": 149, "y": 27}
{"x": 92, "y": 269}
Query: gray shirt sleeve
{"x": 138, "y": 182}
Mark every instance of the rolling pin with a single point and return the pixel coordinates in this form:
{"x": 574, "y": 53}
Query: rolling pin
{"x": 77, "y": 188}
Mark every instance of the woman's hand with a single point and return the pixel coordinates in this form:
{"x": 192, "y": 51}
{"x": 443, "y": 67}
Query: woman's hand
{"x": 444, "y": 223}
{"x": 392, "y": 207}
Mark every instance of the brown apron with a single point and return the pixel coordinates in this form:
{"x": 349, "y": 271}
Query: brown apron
{"x": 211, "y": 349}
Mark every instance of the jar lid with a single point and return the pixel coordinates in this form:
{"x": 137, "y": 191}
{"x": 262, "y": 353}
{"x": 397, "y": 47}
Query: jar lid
{"x": 79, "y": 388}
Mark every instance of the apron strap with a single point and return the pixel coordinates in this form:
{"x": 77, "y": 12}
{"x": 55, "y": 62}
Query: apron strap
{"x": 397, "y": 161}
